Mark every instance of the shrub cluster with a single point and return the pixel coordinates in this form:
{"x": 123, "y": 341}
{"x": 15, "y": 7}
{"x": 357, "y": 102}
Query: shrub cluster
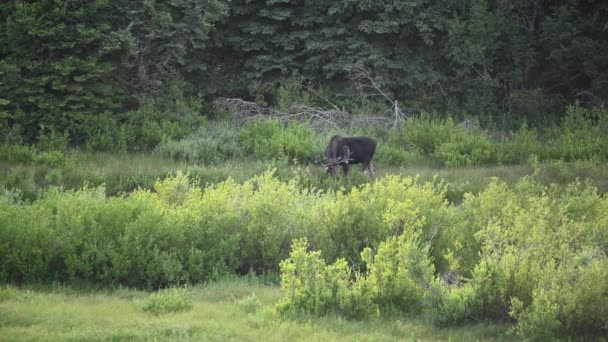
{"x": 583, "y": 135}
{"x": 211, "y": 143}
{"x": 20, "y": 154}
{"x": 180, "y": 233}
{"x": 170, "y": 300}
{"x": 268, "y": 139}
{"x": 534, "y": 254}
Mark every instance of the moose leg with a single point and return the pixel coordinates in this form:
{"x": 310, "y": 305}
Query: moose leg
{"x": 369, "y": 168}
{"x": 345, "y": 168}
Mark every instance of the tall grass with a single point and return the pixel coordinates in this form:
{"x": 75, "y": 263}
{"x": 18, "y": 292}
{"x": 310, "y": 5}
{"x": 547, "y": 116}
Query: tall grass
{"x": 218, "y": 314}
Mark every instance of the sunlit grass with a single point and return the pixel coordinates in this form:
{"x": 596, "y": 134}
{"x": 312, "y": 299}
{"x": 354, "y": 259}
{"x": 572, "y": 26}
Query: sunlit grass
{"x": 125, "y": 172}
{"x": 234, "y": 309}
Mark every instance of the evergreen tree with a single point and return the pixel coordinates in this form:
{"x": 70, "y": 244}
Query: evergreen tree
{"x": 54, "y": 74}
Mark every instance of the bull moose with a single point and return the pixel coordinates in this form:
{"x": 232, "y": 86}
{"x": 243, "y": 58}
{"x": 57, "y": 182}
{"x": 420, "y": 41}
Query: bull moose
{"x": 349, "y": 150}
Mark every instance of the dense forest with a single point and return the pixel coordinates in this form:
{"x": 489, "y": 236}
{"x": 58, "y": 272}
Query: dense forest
{"x": 79, "y": 67}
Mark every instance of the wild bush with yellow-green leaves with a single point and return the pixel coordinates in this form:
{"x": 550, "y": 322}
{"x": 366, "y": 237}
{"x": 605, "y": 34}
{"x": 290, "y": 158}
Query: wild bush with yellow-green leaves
{"x": 531, "y": 253}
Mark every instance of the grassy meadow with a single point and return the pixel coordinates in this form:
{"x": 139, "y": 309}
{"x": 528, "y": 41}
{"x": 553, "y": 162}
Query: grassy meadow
{"x": 231, "y": 309}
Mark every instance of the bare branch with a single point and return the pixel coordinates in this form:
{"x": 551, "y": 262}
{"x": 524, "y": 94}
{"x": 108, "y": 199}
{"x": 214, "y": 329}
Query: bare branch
{"x": 361, "y": 80}
{"x": 319, "y": 119}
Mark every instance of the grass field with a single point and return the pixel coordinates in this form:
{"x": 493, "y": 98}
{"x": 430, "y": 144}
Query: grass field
{"x": 237, "y": 309}
{"x": 122, "y": 173}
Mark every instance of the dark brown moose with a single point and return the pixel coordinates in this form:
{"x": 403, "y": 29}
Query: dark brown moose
{"x": 349, "y": 150}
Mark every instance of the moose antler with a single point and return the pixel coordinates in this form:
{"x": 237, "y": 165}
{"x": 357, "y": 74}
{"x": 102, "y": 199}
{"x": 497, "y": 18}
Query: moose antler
{"x": 343, "y": 159}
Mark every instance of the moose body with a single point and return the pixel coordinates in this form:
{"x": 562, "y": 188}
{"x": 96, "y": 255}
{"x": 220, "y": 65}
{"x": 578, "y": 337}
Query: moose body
{"x": 349, "y": 150}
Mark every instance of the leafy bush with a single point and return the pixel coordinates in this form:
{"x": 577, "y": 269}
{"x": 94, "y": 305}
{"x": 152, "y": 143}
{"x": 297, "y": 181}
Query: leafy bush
{"x": 263, "y": 138}
{"x": 444, "y": 305}
{"x": 51, "y": 140}
{"x": 531, "y": 252}
{"x": 466, "y": 150}
{"x": 209, "y": 144}
{"x": 399, "y": 273}
{"x": 449, "y": 143}
{"x": 249, "y": 304}
{"x": 396, "y": 278}
{"x": 572, "y": 300}
{"x": 426, "y": 134}
{"x": 267, "y": 139}
{"x": 518, "y": 148}
{"x": 395, "y": 150}
{"x": 309, "y": 285}
{"x": 388, "y": 154}
{"x": 108, "y": 134}
{"x": 298, "y": 141}
{"x": 168, "y": 301}
{"x": 17, "y": 153}
{"x": 583, "y": 135}
{"x": 529, "y": 242}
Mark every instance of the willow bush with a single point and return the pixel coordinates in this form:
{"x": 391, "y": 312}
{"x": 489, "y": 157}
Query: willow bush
{"x": 529, "y": 252}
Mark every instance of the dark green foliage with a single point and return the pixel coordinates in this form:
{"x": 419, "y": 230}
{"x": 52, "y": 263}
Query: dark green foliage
{"x": 72, "y": 65}
{"x": 54, "y": 72}
{"x": 160, "y": 46}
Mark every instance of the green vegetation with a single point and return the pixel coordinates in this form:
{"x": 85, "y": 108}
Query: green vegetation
{"x": 528, "y": 252}
{"x": 531, "y": 253}
{"x": 233, "y": 309}
{"x": 88, "y": 69}
{"x": 165, "y": 145}
{"x": 167, "y": 301}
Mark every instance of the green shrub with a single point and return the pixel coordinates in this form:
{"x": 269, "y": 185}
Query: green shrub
{"x": 263, "y": 139}
{"x": 298, "y": 141}
{"x": 367, "y": 215}
{"x": 249, "y": 304}
{"x": 583, "y": 135}
{"x": 108, "y": 134}
{"x": 267, "y": 139}
{"x": 447, "y": 142}
{"x": 51, "y": 158}
{"x": 168, "y": 301}
{"x": 309, "y": 285}
{"x": 426, "y": 134}
{"x": 14, "y": 154}
{"x": 518, "y": 148}
{"x": 396, "y": 280}
{"x": 399, "y": 273}
{"x": 143, "y": 129}
{"x": 570, "y": 301}
{"x": 466, "y": 148}
{"x": 393, "y": 155}
{"x": 11, "y": 135}
{"x": 51, "y": 140}
{"x": 447, "y": 306}
{"x": 7, "y": 293}
{"x": 531, "y": 252}
{"x": 209, "y": 144}
{"x": 536, "y": 231}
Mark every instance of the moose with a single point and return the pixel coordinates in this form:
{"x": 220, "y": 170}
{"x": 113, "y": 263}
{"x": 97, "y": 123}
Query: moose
{"x": 349, "y": 150}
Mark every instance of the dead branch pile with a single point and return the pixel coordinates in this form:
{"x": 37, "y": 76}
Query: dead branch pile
{"x": 361, "y": 80}
{"x": 243, "y": 111}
